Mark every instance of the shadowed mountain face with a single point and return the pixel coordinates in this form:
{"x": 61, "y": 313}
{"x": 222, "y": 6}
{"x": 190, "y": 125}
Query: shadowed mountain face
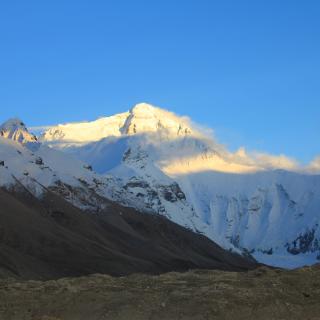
{"x": 50, "y": 238}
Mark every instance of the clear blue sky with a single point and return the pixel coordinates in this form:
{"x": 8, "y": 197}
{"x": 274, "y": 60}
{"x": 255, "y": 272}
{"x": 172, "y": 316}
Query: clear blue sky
{"x": 249, "y": 69}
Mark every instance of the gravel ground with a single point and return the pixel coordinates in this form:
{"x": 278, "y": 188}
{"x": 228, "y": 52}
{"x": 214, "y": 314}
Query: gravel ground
{"x": 260, "y": 294}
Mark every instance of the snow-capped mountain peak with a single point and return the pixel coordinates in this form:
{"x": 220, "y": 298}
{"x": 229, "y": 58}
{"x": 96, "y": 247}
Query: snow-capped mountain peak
{"x": 16, "y": 130}
{"x": 160, "y": 162}
{"x": 144, "y": 108}
{"x": 145, "y": 118}
{"x": 142, "y": 119}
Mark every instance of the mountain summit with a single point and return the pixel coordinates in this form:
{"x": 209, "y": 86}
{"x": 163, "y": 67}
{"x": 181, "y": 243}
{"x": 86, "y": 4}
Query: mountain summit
{"x": 142, "y": 119}
{"x": 145, "y": 118}
{"x": 16, "y": 130}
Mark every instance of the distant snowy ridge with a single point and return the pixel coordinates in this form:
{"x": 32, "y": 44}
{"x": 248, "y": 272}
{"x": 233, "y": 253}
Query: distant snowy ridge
{"x": 26, "y": 163}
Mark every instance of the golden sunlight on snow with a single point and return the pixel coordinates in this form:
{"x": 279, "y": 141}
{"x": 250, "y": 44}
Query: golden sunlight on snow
{"x": 199, "y": 164}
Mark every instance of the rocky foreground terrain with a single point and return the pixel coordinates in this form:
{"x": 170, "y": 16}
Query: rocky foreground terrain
{"x": 260, "y": 294}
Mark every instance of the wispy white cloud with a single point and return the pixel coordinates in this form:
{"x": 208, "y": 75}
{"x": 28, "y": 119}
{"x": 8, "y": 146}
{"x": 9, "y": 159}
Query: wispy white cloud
{"x": 314, "y": 165}
{"x": 38, "y": 128}
{"x": 265, "y": 161}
